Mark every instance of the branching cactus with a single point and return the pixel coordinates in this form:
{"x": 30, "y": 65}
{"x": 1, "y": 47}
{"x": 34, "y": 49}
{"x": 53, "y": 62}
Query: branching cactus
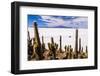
{"x": 53, "y": 47}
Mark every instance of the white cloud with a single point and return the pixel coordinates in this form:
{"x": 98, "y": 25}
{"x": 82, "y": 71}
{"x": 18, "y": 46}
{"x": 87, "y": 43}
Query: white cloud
{"x": 53, "y": 21}
{"x": 82, "y": 19}
{"x": 80, "y": 22}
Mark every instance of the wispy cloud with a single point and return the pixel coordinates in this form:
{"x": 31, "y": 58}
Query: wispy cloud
{"x": 52, "y": 21}
{"x": 73, "y": 22}
{"x": 61, "y": 21}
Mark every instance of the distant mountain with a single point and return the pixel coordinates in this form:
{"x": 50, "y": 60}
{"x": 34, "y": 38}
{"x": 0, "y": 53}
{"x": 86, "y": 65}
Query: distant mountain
{"x": 55, "y": 27}
{"x": 61, "y": 27}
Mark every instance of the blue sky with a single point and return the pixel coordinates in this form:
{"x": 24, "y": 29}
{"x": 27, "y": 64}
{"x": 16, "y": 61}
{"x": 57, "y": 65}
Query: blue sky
{"x": 45, "y": 21}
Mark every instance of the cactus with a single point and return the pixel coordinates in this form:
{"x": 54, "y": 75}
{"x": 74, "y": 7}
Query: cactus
{"x": 37, "y": 45}
{"x": 60, "y": 43}
{"x": 53, "y": 47}
{"x": 86, "y": 49}
{"x": 65, "y": 48}
{"x": 76, "y": 45}
{"x": 79, "y": 45}
{"x": 30, "y": 50}
{"x": 43, "y": 44}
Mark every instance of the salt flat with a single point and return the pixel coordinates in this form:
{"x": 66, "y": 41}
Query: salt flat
{"x": 68, "y": 35}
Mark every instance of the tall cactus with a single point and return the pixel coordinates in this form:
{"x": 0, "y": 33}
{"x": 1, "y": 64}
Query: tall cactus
{"x": 76, "y": 44}
{"x": 60, "y": 43}
{"x": 30, "y": 50}
{"x": 86, "y": 51}
{"x": 79, "y": 45}
{"x": 43, "y": 44}
{"x": 38, "y": 49}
